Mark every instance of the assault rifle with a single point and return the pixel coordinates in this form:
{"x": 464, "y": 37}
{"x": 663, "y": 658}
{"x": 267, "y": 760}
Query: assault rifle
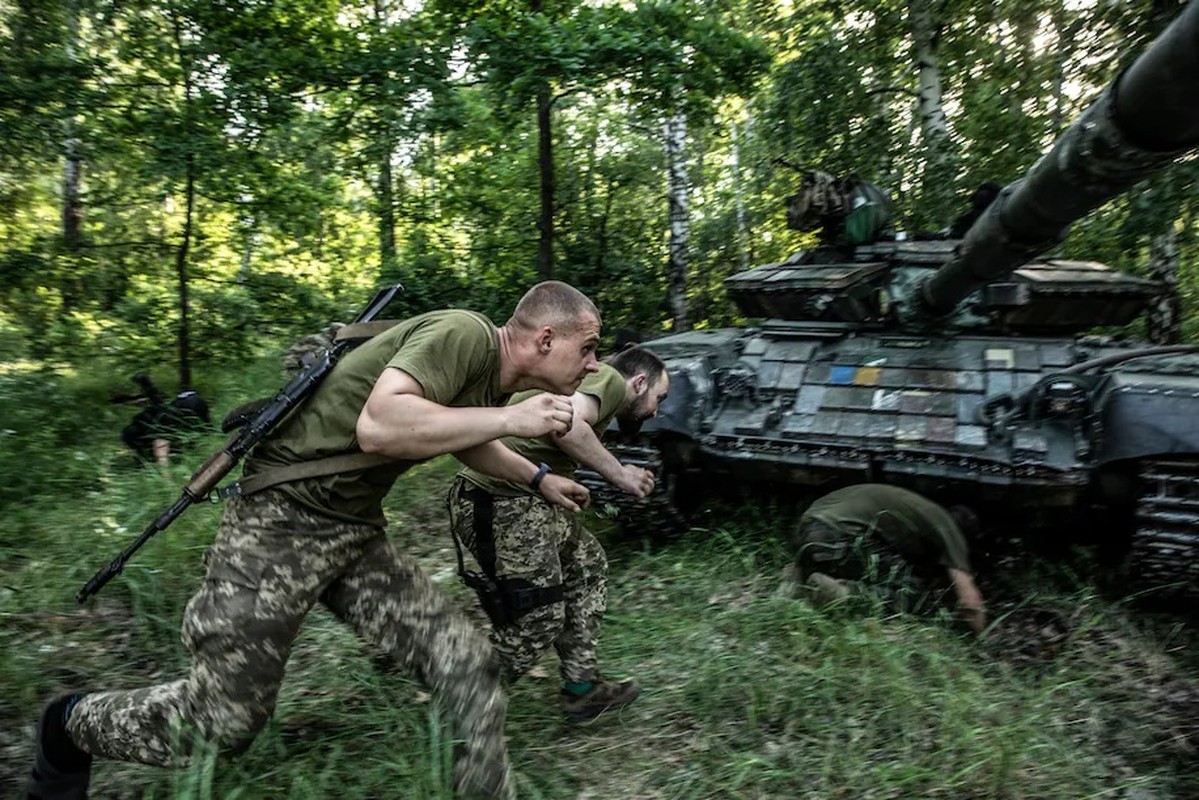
{"x": 251, "y": 433}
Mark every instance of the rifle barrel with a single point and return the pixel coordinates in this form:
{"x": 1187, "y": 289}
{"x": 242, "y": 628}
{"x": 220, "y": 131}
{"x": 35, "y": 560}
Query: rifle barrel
{"x": 114, "y": 567}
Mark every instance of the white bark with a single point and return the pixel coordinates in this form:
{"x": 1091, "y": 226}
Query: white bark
{"x": 739, "y": 200}
{"x": 1164, "y": 324}
{"x": 930, "y": 110}
{"x": 675, "y": 135}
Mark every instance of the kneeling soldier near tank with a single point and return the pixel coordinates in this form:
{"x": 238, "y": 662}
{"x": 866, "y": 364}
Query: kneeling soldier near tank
{"x": 308, "y": 528}
{"x": 544, "y": 579}
{"x": 878, "y": 540}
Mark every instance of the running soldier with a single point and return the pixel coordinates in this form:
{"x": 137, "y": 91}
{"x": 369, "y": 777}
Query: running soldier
{"x": 312, "y": 533}
{"x": 545, "y": 577}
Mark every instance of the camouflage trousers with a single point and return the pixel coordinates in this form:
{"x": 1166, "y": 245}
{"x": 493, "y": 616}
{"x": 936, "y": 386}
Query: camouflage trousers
{"x": 272, "y": 560}
{"x": 546, "y": 546}
{"x": 870, "y": 565}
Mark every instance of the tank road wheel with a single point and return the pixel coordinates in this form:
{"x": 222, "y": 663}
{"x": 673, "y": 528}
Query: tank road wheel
{"x": 1164, "y": 554}
{"x": 658, "y": 516}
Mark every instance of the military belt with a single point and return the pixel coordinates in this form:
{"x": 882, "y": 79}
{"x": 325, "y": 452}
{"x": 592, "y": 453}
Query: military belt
{"x": 504, "y": 599}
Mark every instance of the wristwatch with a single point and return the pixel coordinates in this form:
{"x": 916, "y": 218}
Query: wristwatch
{"x": 542, "y": 471}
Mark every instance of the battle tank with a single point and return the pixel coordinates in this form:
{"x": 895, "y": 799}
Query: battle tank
{"x": 961, "y": 368}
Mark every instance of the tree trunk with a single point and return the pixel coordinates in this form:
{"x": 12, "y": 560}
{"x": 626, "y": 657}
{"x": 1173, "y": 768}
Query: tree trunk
{"x": 601, "y": 234}
{"x": 545, "y": 166}
{"x": 387, "y": 223}
{"x": 185, "y": 366}
{"x": 385, "y": 188}
{"x": 675, "y": 135}
{"x": 181, "y": 253}
{"x": 937, "y": 188}
{"x": 1064, "y": 35}
{"x": 545, "y": 171}
{"x": 739, "y": 200}
{"x": 926, "y": 29}
{"x": 249, "y": 228}
{"x": 1164, "y": 320}
{"x": 72, "y": 205}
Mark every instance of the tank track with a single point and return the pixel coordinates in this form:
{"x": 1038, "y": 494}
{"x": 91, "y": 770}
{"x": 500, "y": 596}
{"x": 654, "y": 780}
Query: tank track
{"x": 1165, "y": 544}
{"x": 656, "y": 516}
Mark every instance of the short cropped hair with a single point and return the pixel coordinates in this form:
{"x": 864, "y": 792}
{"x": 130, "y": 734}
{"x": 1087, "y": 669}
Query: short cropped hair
{"x": 634, "y": 359}
{"x": 553, "y": 303}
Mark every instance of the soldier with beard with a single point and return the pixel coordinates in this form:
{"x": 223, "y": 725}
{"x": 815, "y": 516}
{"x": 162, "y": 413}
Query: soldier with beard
{"x": 544, "y": 578}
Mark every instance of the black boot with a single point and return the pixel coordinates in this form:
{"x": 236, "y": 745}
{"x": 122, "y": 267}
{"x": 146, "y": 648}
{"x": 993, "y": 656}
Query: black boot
{"x": 61, "y": 770}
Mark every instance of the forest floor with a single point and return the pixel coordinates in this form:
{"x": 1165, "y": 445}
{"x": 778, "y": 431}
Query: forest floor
{"x": 747, "y": 692}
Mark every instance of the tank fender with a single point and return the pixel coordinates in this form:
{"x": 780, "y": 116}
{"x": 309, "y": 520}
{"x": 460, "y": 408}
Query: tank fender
{"x": 1147, "y": 415}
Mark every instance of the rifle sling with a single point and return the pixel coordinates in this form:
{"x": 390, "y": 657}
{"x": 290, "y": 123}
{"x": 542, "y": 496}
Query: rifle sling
{"x": 317, "y": 468}
{"x": 362, "y": 331}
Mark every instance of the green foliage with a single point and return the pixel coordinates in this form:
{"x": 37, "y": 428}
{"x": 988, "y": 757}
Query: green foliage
{"x": 333, "y": 149}
{"x": 747, "y": 693}
{"x": 52, "y": 422}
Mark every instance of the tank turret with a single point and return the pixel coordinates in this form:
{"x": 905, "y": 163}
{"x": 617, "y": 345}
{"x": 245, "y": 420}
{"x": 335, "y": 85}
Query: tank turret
{"x": 988, "y": 279}
{"x": 960, "y": 368}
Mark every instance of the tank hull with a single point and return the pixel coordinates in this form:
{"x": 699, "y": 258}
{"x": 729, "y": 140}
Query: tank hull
{"x": 1021, "y": 429}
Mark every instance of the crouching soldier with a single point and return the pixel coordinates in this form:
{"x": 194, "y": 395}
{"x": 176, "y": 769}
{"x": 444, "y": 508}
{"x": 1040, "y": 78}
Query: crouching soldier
{"x": 880, "y": 540}
{"x": 544, "y": 578}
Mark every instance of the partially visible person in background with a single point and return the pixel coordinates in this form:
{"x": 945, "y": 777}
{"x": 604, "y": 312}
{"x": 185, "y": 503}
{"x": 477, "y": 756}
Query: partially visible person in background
{"x": 162, "y": 426}
{"x": 891, "y": 543}
{"x": 846, "y": 212}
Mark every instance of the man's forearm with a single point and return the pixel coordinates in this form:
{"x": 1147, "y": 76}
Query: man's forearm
{"x": 970, "y": 599}
{"x": 493, "y": 458}
{"x": 582, "y": 445}
{"x": 411, "y": 427}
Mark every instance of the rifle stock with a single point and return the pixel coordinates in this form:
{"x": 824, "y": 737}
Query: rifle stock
{"x": 221, "y": 463}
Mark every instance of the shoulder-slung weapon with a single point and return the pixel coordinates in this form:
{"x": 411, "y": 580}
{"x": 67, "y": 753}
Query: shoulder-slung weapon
{"x": 248, "y": 435}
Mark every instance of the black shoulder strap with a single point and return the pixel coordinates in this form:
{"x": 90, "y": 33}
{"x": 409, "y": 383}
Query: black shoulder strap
{"x": 504, "y": 599}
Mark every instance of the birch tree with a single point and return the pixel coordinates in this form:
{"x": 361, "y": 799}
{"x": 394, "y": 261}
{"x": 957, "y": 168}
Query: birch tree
{"x": 674, "y": 134}
{"x": 925, "y": 18}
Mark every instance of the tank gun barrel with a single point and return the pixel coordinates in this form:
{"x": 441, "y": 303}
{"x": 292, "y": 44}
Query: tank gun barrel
{"x": 1144, "y": 120}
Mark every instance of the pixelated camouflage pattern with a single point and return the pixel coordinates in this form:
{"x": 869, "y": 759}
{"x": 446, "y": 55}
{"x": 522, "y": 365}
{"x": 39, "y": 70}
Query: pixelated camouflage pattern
{"x": 546, "y": 546}
{"x": 309, "y": 348}
{"x": 871, "y": 567}
{"x": 272, "y": 560}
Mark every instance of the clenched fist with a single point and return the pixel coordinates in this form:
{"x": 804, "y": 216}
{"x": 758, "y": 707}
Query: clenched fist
{"x": 564, "y": 492}
{"x": 539, "y": 415}
{"x": 635, "y": 480}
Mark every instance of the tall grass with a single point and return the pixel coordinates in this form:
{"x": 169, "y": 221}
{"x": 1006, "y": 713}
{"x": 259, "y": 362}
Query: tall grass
{"x": 747, "y": 694}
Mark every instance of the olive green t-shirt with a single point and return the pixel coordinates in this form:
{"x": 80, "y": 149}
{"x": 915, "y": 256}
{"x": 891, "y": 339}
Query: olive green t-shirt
{"x": 453, "y": 354}
{"x": 919, "y": 529}
{"x": 607, "y": 386}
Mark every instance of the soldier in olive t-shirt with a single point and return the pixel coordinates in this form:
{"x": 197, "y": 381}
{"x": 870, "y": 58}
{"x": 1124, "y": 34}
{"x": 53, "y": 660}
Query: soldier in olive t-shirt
{"x": 901, "y": 543}
{"x": 307, "y": 528}
{"x": 453, "y": 354}
{"x": 549, "y": 574}
{"x": 607, "y": 387}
